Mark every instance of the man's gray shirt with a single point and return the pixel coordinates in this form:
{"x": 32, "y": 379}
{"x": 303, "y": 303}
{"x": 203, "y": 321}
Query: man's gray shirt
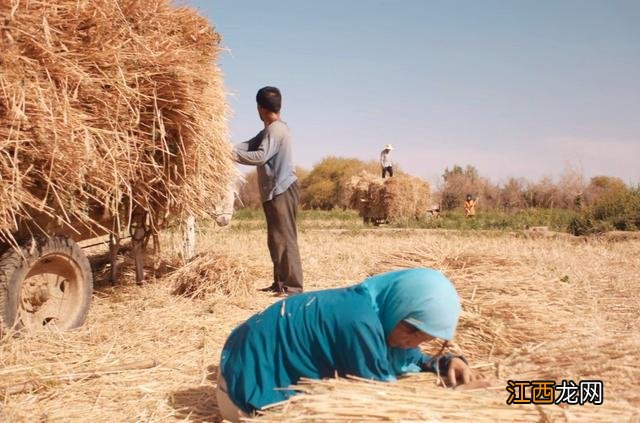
{"x": 270, "y": 151}
{"x": 385, "y": 158}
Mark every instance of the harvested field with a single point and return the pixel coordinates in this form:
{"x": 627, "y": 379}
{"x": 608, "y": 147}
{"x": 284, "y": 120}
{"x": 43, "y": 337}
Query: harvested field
{"x": 532, "y": 309}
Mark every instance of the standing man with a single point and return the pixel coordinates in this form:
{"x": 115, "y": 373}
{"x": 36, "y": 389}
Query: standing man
{"x": 270, "y": 151}
{"x": 385, "y": 161}
{"x": 470, "y": 206}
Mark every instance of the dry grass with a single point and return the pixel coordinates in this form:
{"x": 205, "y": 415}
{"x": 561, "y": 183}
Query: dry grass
{"x": 546, "y": 308}
{"x": 418, "y": 398}
{"x": 210, "y": 274}
{"x": 107, "y": 106}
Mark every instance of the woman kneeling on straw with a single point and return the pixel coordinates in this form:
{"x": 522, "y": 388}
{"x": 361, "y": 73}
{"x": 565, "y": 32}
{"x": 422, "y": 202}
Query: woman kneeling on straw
{"x": 371, "y": 330}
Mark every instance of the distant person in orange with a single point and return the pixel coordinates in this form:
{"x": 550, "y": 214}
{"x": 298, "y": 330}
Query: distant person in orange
{"x": 385, "y": 161}
{"x": 470, "y": 206}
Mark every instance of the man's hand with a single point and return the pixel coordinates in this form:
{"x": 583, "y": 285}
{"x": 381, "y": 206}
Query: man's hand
{"x": 459, "y": 373}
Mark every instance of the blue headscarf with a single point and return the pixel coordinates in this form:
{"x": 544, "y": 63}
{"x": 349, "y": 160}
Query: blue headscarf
{"x": 423, "y": 298}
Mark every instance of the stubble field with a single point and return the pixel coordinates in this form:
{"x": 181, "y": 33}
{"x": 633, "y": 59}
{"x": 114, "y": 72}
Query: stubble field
{"x": 549, "y": 308}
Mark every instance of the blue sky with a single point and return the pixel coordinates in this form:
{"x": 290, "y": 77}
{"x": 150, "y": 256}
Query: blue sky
{"x": 515, "y": 88}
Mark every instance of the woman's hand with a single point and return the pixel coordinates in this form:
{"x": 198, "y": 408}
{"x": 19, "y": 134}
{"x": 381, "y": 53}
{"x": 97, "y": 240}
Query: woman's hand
{"x": 460, "y": 374}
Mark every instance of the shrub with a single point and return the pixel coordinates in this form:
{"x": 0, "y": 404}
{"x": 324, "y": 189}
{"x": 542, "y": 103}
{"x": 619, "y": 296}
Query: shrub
{"x": 512, "y": 194}
{"x": 541, "y": 194}
{"x": 323, "y": 188}
{"x": 615, "y": 209}
{"x": 458, "y": 182}
{"x": 600, "y": 185}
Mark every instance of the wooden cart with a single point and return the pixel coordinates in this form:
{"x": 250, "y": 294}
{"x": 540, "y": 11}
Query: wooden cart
{"x": 45, "y": 276}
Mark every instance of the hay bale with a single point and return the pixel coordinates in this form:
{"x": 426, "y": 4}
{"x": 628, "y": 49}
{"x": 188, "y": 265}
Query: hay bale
{"x": 400, "y": 198}
{"x": 106, "y": 105}
{"x": 212, "y": 273}
{"x": 356, "y": 192}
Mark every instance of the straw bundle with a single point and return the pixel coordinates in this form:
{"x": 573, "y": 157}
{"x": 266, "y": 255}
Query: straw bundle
{"x": 213, "y": 274}
{"x": 418, "y": 398}
{"x": 106, "y": 106}
{"x": 356, "y": 189}
{"x": 396, "y": 199}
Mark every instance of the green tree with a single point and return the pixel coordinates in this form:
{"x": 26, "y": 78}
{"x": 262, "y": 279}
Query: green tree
{"x": 600, "y": 185}
{"x": 616, "y": 208}
{"x": 323, "y": 187}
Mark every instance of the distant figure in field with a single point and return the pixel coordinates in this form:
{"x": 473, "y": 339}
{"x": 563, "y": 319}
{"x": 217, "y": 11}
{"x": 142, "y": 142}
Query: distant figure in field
{"x": 385, "y": 161}
{"x": 435, "y": 211}
{"x": 470, "y": 206}
{"x": 270, "y": 151}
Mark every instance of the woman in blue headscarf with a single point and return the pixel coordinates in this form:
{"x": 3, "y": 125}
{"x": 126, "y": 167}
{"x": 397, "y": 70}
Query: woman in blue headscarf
{"x": 371, "y": 330}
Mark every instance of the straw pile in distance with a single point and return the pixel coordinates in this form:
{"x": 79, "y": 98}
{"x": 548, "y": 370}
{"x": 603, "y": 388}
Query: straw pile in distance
{"x": 106, "y": 106}
{"x": 400, "y": 198}
{"x": 212, "y": 273}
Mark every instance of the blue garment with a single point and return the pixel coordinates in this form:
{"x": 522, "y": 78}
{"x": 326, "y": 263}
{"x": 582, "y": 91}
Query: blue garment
{"x": 270, "y": 151}
{"x": 339, "y": 331}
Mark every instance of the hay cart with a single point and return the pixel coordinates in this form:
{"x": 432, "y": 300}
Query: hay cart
{"x": 371, "y": 215}
{"x": 102, "y": 108}
{"x": 45, "y": 275}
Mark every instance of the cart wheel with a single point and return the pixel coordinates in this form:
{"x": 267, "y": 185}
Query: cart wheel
{"x": 50, "y": 283}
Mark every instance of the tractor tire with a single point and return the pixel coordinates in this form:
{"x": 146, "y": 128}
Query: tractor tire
{"x": 48, "y": 282}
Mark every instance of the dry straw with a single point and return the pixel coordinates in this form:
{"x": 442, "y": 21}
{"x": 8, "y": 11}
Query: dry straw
{"x": 107, "y": 105}
{"x": 418, "y": 398}
{"x": 588, "y": 290}
{"x": 395, "y": 199}
{"x": 516, "y": 323}
{"x": 213, "y": 273}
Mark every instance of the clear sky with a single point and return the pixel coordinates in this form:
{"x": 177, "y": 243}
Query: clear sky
{"x": 515, "y": 88}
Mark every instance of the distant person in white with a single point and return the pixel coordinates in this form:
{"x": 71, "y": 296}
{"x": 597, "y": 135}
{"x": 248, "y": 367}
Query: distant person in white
{"x": 385, "y": 161}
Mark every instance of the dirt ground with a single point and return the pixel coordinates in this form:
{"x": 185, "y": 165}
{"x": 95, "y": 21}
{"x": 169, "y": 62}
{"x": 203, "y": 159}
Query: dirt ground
{"x": 532, "y": 309}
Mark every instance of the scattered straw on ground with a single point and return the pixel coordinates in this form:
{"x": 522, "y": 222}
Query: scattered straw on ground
{"x": 534, "y": 309}
{"x": 211, "y": 273}
{"x": 418, "y": 398}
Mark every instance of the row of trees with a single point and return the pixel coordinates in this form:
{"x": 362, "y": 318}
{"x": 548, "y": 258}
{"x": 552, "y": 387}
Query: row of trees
{"x": 321, "y": 188}
{"x": 569, "y": 192}
{"x": 600, "y": 199}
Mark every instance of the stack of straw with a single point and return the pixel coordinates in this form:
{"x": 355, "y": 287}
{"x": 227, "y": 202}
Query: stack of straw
{"x": 107, "y": 106}
{"x": 395, "y": 199}
{"x": 418, "y": 398}
{"x": 213, "y": 273}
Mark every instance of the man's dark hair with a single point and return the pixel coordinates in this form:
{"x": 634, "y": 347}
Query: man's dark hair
{"x": 269, "y": 98}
